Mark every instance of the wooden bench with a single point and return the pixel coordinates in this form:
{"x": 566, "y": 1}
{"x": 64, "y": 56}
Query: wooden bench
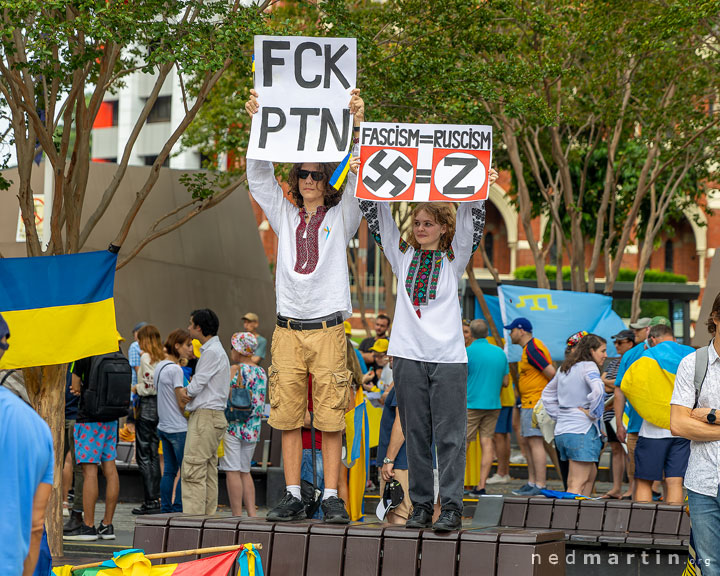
{"x": 311, "y": 547}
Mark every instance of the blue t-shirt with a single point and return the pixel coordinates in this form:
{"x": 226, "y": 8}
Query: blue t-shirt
{"x": 261, "y": 349}
{"x": 386, "y": 426}
{"x": 634, "y": 419}
{"x": 487, "y": 366}
{"x": 26, "y": 459}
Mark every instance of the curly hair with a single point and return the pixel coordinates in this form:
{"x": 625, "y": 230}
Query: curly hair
{"x": 444, "y": 214}
{"x": 582, "y": 351}
{"x": 332, "y": 196}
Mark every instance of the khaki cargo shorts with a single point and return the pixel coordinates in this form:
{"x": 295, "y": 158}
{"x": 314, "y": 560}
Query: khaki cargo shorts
{"x": 297, "y": 354}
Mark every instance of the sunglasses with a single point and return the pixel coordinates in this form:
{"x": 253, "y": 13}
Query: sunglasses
{"x": 317, "y": 176}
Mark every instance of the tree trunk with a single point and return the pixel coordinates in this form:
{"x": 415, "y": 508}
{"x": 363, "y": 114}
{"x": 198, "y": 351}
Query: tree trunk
{"x": 645, "y": 254}
{"x": 46, "y": 390}
{"x": 477, "y": 291}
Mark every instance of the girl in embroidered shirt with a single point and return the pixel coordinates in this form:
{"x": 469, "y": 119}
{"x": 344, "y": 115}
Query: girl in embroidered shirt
{"x": 427, "y": 344}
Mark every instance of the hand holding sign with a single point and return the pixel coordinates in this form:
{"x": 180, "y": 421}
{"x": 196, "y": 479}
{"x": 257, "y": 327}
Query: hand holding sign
{"x": 304, "y": 84}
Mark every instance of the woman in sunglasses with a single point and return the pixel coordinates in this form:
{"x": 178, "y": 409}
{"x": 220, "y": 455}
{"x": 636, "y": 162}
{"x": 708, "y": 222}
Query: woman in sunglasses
{"x": 313, "y": 300}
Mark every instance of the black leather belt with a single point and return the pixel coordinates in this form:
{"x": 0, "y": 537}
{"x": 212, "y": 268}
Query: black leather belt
{"x": 314, "y": 324}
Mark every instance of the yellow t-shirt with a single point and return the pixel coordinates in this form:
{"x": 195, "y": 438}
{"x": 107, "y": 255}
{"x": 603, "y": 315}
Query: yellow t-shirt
{"x": 535, "y": 358}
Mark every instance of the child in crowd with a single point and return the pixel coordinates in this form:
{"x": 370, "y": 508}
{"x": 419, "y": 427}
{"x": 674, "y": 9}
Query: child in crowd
{"x": 427, "y": 347}
{"x": 242, "y": 436}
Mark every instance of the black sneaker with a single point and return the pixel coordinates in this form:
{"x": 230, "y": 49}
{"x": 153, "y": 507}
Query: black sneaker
{"x": 475, "y": 493}
{"x": 75, "y": 521}
{"x": 420, "y": 518}
{"x": 106, "y": 532}
{"x": 334, "y": 511}
{"x": 84, "y": 533}
{"x": 147, "y": 508}
{"x": 288, "y": 509}
{"x": 449, "y": 520}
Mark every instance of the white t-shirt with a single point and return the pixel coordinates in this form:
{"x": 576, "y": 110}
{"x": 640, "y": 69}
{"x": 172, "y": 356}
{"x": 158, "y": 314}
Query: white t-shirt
{"x": 168, "y": 377}
{"x": 648, "y": 430}
{"x": 311, "y": 277}
{"x": 435, "y": 335}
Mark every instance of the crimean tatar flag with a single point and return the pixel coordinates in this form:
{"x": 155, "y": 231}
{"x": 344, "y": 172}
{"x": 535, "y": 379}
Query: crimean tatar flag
{"x": 135, "y": 563}
{"x": 58, "y": 308}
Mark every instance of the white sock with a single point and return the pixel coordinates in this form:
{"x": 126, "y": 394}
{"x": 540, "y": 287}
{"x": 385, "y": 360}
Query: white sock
{"x": 295, "y": 491}
{"x": 328, "y": 492}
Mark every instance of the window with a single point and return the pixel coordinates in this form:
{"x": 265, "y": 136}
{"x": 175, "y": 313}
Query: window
{"x": 160, "y": 111}
{"x": 669, "y": 256}
{"x": 150, "y": 160}
{"x": 115, "y": 106}
{"x": 489, "y": 246}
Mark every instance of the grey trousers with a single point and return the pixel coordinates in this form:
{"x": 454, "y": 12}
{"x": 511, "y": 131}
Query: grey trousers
{"x": 432, "y": 401}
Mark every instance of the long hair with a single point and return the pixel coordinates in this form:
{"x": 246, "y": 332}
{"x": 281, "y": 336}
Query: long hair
{"x": 332, "y": 196}
{"x": 444, "y": 214}
{"x": 582, "y": 352}
{"x": 150, "y": 342}
{"x": 175, "y": 337}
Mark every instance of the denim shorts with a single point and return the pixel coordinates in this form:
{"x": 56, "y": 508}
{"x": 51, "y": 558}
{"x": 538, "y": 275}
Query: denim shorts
{"x": 526, "y": 426}
{"x": 579, "y": 447}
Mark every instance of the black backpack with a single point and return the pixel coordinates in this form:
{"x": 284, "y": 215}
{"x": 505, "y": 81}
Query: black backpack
{"x": 106, "y": 394}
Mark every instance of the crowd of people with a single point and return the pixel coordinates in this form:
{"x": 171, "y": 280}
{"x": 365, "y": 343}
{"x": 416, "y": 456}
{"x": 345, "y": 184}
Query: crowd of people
{"x": 187, "y": 408}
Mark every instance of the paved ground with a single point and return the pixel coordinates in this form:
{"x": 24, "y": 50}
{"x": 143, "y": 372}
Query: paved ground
{"x": 124, "y": 522}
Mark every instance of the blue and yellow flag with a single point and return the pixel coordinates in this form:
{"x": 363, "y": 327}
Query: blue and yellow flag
{"x": 59, "y": 308}
{"x": 649, "y": 381}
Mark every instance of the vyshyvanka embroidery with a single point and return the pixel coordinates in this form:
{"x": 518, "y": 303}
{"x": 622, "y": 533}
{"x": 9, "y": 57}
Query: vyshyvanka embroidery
{"x": 306, "y": 241}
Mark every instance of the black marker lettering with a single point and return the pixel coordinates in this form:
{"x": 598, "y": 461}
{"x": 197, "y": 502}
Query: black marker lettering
{"x": 327, "y": 121}
{"x": 303, "y": 113}
{"x": 331, "y": 65}
{"x": 304, "y": 46}
{"x": 268, "y": 61}
{"x": 265, "y": 127}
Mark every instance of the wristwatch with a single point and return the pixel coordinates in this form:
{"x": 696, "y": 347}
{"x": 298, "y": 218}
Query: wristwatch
{"x": 711, "y": 416}
{"x": 387, "y": 460}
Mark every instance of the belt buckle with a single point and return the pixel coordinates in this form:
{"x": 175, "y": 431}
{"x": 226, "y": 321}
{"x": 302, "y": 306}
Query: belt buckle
{"x": 294, "y": 325}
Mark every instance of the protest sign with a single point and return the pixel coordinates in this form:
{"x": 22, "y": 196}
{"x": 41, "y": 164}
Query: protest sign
{"x": 303, "y": 87}
{"x": 424, "y": 162}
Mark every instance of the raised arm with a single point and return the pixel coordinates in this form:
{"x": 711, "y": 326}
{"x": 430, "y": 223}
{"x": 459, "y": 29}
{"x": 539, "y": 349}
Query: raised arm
{"x": 469, "y": 227}
{"x": 384, "y": 230}
{"x": 261, "y": 179}
{"x": 352, "y": 216}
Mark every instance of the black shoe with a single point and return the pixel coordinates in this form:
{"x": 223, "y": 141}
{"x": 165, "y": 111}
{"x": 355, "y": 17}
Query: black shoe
{"x": 449, "y": 520}
{"x": 420, "y": 518}
{"x": 147, "y": 508}
{"x": 75, "y": 521}
{"x": 288, "y": 509}
{"x": 334, "y": 511}
{"x": 106, "y": 532}
{"x": 84, "y": 533}
{"x": 475, "y": 493}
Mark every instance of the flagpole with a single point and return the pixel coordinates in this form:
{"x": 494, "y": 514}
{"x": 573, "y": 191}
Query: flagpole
{"x": 177, "y": 554}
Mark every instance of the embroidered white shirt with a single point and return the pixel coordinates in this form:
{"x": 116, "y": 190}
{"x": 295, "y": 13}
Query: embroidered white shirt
{"x": 703, "y": 471}
{"x": 325, "y": 290}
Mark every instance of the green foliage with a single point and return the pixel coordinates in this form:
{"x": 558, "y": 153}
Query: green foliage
{"x": 625, "y": 274}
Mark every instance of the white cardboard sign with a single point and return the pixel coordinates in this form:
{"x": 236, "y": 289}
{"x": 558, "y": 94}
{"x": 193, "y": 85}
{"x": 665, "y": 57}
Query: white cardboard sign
{"x": 303, "y": 87}
{"x": 424, "y": 162}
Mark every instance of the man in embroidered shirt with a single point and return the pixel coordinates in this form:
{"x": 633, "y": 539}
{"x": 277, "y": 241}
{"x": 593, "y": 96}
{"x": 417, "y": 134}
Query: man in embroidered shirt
{"x": 536, "y": 370}
{"x": 692, "y": 416}
{"x": 313, "y": 300}
{"x": 206, "y": 398}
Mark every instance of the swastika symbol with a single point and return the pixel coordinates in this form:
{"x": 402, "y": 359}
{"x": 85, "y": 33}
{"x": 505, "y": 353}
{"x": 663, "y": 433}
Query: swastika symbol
{"x": 535, "y": 300}
{"x": 388, "y": 173}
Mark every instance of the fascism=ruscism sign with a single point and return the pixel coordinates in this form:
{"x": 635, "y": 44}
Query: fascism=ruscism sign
{"x": 424, "y": 162}
{"x": 303, "y": 87}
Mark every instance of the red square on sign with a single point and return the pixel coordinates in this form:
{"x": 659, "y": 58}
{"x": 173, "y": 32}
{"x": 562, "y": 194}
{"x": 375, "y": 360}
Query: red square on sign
{"x": 387, "y": 174}
{"x": 459, "y": 175}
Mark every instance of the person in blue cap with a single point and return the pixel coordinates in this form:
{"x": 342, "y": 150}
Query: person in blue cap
{"x": 536, "y": 370}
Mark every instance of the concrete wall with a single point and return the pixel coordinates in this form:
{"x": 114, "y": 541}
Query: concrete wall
{"x": 216, "y": 260}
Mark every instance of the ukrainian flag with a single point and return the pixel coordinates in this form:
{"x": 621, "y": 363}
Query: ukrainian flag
{"x": 135, "y": 563}
{"x": 649, "y": 381}
{"x": 58, "y": 308}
